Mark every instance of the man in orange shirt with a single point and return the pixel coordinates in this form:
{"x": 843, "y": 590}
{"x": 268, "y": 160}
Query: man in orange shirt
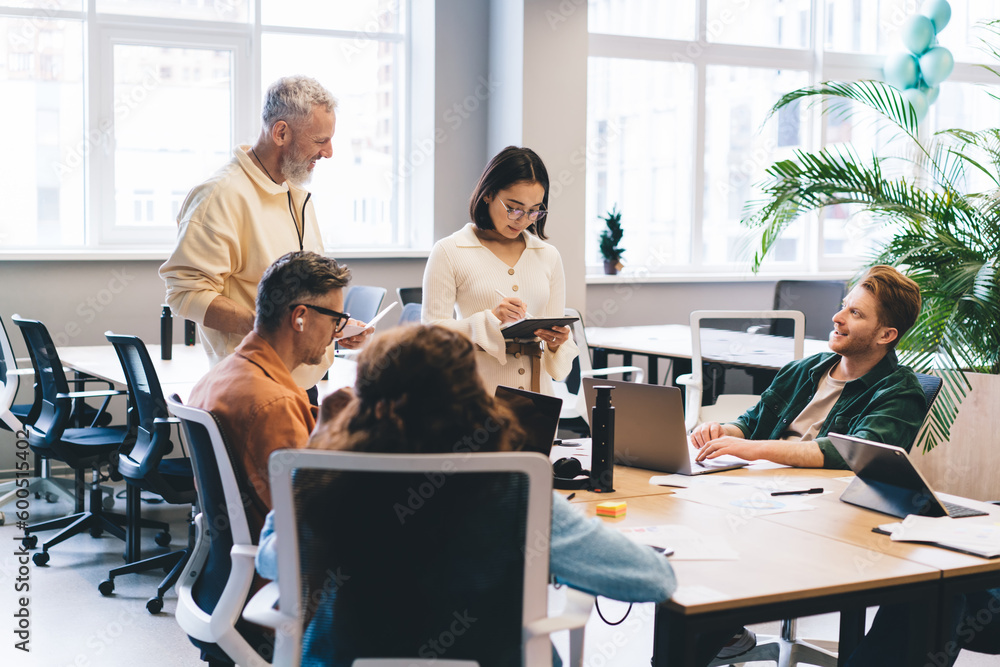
{"x": 251, "y": 392}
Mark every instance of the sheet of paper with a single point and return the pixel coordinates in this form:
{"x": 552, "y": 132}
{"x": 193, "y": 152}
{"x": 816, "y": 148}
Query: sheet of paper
{"x": 355, "y": 329}
{"x": 687, "y": 543}
{"x": 744, "y": 500}
{"x": 961, "y": 533}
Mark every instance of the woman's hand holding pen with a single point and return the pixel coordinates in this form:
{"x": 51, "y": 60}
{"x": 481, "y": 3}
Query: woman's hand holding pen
{"x": 510, "y": 309}
{"x": 553, "y": 337}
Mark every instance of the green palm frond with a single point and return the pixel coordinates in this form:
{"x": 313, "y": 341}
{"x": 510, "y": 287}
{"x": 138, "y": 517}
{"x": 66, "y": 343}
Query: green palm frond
{"x": 943, "y": 235}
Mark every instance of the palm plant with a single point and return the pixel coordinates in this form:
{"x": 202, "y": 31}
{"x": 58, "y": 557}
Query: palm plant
{"x": 943, "y": 236}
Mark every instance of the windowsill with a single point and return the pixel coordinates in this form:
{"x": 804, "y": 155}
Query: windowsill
{"x": 161, "y": 254}
{"x": 712, "y": 277}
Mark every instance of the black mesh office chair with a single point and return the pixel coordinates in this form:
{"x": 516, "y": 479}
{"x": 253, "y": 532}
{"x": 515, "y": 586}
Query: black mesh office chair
{"x": 399, "y": 577}
{"x": 145, "y": 469}
{"x": 52, "y": 437}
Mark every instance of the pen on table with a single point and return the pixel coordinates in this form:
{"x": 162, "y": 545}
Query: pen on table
{"x": 798, "y": 492}
{"x": 571, "y": 496}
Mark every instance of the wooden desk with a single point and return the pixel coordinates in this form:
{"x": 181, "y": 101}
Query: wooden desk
{"x": 782, "y": 572}
{"x": 820, "y": 561}
{"x": 673, "y": 341}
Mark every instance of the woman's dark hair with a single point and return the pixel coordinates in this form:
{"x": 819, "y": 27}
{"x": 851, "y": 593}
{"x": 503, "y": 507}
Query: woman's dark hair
{"x": 509, "y": 166}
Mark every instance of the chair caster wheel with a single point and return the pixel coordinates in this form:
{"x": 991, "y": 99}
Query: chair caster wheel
{"x": 108, "y": 502}
{"x": 41, "y": 558}
{"x": 96, "y": 531}
{"x": 106, "y": 587}
{"x": 30, "y": 541}
{"x": 50, "y": 498}
{"x": 162, "y": 538}
{"x": 154, "y": 605}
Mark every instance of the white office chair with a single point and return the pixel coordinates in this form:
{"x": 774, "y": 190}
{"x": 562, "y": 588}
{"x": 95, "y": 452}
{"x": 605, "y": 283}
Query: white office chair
{"x": 215, "y": 583}
{"x": 402, "y": 572}
{"x": 720, "y": 345}
{"x": 574, "y": 407}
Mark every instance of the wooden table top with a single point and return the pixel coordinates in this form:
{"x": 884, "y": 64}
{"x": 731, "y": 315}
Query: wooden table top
{"x": 776, "y": 563}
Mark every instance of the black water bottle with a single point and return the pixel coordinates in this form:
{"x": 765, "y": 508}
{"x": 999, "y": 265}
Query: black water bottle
{"x": 602, "y": 429}
{"x": 189, "y": 332}
{"x": 166, "y": 332}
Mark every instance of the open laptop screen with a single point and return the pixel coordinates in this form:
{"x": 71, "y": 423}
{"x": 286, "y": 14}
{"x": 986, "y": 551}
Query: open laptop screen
{"x": 537, "y": 413}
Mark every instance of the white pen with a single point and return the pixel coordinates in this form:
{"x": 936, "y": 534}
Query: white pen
{"x": 527, "y": 315}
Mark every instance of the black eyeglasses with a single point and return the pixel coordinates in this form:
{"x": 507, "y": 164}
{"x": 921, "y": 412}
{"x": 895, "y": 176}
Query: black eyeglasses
{"x": 340, "y": 318}
{"x": 517, "y": 213}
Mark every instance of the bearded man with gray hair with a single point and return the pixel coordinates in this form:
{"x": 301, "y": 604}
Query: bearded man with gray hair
{"x": 248, "y": 214}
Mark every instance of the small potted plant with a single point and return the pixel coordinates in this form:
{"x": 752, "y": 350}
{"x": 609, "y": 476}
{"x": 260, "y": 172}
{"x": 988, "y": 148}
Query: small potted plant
{"x": 611, "y": 239}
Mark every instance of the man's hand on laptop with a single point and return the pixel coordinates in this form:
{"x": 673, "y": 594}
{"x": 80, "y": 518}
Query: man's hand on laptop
{"x": 748, "y": 450}
{"x": 708, "y": 431}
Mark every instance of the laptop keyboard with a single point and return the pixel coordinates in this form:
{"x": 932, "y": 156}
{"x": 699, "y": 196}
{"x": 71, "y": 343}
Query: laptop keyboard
{"x": 961, "y": 511}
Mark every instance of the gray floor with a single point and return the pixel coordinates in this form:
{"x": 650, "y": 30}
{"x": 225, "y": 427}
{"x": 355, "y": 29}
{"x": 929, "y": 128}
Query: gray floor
{"x": 73, "y": 625}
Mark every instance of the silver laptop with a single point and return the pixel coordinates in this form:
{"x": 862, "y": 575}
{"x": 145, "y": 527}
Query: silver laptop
{"x": 649, "y": 429}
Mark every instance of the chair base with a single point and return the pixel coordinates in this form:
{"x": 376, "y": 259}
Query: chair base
{"x": 50, "y": 488}
{"x": 174, "y": 562}
{"x": 74, "y": 524}
{"x": 785, "y": 652}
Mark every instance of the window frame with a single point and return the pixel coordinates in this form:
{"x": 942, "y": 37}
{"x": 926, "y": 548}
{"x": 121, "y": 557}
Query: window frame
{"x": 102, "y": 236}
{"x": 819, "y": 65}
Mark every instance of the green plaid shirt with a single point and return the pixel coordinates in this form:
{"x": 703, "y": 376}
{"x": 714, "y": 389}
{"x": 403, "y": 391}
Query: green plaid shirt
{"x": 887, "y": 405}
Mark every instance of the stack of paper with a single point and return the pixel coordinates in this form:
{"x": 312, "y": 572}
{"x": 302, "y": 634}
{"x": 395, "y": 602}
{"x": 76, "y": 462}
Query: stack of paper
{"x": 978, "y": 539}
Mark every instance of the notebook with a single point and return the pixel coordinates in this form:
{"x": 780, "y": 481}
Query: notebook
{"x": 537, "y": 413}
{"x": 649, "y": 429}
{"x": 888, "y": 482}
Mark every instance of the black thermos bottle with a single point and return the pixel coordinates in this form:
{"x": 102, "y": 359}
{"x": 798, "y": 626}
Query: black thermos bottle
{"x": 166, "y": 332}
{"x": 602, "y": 429}
{"x": 189, "y": 332}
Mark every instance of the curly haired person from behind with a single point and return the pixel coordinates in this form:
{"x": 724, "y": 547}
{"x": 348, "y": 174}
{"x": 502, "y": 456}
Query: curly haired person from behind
{"x": 418, "y": 391}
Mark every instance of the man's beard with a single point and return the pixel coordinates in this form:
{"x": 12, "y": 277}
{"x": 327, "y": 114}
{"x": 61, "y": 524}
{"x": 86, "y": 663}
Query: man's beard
{"x": 296, "y": 171}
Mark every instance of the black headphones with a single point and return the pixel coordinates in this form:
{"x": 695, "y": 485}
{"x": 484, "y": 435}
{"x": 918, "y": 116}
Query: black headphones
{"x": 565, "y": 472}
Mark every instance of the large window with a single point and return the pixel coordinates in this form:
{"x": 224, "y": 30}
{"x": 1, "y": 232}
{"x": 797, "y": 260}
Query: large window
{"x": 121, "y": 106}
{"x": 678, "y": 94}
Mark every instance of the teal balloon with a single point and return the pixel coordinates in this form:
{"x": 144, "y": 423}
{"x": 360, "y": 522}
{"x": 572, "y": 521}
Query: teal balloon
{"x": 938, "y": 11}
{"x": 918, "y": 34}
{"x": 936, "y": 65}
{"x": 918, "y": 100}
{"x": 930, "y": 93}
{"x": 901, "y": 70}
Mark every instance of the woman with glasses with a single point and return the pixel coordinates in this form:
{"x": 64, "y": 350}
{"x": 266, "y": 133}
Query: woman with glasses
{"x": 497, "y": 270}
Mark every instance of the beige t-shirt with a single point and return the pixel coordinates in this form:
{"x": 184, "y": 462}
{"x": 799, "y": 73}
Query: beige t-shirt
{"x": 806, "y": 426}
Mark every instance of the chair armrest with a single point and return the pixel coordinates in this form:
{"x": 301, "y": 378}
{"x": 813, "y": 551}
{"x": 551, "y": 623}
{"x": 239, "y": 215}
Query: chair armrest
{"x": 261, "y": 609}
{"x": 93, "y": 394}
{"x": 578, "y": 606}
{"x": 614, "y": 370}
{"x": 688, "y": 380}
{"x": 166, "y": 420}
{"x": 20, "y": 371}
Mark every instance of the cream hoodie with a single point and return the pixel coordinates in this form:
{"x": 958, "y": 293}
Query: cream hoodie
{"x": 230, "y": 229}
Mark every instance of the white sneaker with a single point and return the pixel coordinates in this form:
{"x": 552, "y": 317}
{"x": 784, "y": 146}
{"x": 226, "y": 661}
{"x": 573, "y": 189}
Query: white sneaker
{"x": 742, "y": 641}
